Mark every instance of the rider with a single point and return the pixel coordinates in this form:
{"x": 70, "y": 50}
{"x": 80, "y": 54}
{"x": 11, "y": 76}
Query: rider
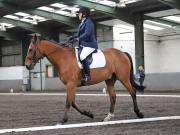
{"x": 86, "y": 38}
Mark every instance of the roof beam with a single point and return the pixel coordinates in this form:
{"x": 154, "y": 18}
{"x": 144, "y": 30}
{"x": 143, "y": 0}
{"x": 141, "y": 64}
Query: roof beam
{"x": 13, "y": 8}
{"x": 26, "y": 6}
{"x": 18, "y": 8}
{"x": 172, "y": 3}
{"x": 40, "y": 3}
{"x": 73, "y": 22}
{"x": 122, "y": 14}
{"x": 27, "y": 26}
{"x": 162, "y": 21}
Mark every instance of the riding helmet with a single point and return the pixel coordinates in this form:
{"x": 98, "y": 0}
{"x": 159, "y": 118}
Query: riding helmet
{"x": 84, "y": 11}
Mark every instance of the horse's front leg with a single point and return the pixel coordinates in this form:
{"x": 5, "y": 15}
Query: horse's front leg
{"x": 70, "y": 98}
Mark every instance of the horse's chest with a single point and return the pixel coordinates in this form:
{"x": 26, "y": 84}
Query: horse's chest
{"x": 63, "y": 79}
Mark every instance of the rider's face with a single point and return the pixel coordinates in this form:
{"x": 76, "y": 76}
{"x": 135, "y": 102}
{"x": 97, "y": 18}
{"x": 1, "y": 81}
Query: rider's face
{"x": 80, "y": 16}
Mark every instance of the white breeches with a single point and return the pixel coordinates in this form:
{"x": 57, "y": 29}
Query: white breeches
{"x": 85, "y": 52}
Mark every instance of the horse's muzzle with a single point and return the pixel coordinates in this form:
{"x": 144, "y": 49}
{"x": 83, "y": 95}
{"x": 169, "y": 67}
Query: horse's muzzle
{"x": 29, "y": 67}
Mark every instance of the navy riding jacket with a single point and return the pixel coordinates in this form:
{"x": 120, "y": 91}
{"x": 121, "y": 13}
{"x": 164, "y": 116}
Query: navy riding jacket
{"x": 86, "y": 34}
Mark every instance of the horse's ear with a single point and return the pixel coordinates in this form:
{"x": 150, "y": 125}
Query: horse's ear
{"x": 35, "y": 38}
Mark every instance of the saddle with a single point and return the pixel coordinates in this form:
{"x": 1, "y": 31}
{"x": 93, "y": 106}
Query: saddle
{"x": 89, "y": 58}
{"x": 95, "y": 60}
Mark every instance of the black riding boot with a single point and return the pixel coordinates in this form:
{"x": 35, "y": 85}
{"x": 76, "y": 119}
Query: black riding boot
{"x": 85, "y": 71}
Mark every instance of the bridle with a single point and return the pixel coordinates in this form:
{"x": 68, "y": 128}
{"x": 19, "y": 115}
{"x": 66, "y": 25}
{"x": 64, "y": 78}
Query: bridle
{"x": 37, "y": 55}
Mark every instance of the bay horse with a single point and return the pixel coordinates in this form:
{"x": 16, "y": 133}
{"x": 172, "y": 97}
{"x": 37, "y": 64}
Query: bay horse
{"x": 118, "y": 66}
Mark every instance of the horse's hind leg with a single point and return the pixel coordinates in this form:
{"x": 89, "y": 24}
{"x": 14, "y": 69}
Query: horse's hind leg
{"x": 132, "y": 92}
{"x": 112, "y": 96}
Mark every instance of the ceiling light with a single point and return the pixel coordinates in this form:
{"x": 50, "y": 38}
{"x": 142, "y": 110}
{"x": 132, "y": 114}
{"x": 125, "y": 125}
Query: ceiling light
{"x": 159, "y": 23}
{"x": 29, "y": 20}
{"x": 12, "y": 17}
{"x": 173, "y": 18}
{"x": 22, "y": 14}
{"x": 153, "y": 27}
{"x": 121, "y": 4}
{"x": 38, "y": 18}
{"x": 8, "y": 25}
{"x": 34, "y": 22}
{"x": 107, "y": 2}
{"x": 48, "y": 9}
{"x": 2, "y": 27}
{"x": 58, "y": 5}
{"x": 131, "y": 1}
{"x": 74, "y": 11}
{"x": 62, "y": 12}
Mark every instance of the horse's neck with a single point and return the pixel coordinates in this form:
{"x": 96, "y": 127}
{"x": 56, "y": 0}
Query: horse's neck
{"x": 49, "y": 48}
{"x": 55, "y": 54}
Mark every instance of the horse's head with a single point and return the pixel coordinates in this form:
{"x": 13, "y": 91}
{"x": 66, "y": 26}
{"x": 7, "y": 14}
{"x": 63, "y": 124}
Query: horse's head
{"x": 33, "y": 54}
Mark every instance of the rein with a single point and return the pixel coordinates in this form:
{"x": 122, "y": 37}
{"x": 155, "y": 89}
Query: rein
{"x": 68, "y": 44}
{"x": 39, "y": 55}
{"x": 63, "y": 45}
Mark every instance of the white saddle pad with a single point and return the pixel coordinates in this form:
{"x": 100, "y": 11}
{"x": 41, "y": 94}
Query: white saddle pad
{"x": 98, "y": 59}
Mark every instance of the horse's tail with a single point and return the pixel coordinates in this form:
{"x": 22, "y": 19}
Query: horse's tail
{"x": 134, "y": 84}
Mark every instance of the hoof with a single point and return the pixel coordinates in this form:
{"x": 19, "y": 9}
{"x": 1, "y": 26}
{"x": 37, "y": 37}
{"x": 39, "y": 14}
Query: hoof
{"x": 140, "y": 115}
{"x": 109, "y": 117}
{"x": 64, "y": 120}
{"x": 89, "y": 114}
